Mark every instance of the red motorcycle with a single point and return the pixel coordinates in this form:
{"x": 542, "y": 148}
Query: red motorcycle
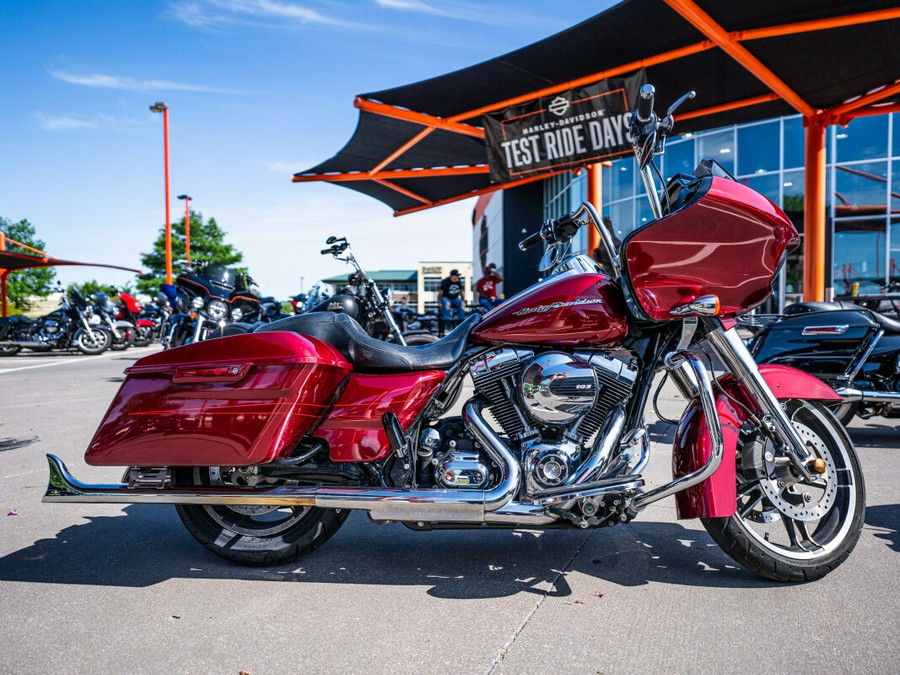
{"x": 266, "y": 441}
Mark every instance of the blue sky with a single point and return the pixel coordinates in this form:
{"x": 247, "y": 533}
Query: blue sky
{"x": 257, "y": 90}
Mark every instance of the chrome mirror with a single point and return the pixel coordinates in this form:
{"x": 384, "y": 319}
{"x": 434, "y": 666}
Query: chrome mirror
{"x": 552, "y": 256}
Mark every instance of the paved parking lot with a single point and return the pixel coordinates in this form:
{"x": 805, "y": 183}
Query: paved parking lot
{"x": 104, "y": 588}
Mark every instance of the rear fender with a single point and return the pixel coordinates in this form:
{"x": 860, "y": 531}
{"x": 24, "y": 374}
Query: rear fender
{"x": 716, "y": 497}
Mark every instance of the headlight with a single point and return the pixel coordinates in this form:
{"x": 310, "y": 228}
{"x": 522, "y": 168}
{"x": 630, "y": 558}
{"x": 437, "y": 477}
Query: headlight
{"x": 237, "y": 314}
{"x": 94, "y": 319}
{"x": 217, "y": 309}
{"x": 197, "y": 303}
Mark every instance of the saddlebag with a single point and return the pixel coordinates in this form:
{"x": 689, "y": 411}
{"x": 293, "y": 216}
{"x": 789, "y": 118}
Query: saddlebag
{"x": 232, "y": 401}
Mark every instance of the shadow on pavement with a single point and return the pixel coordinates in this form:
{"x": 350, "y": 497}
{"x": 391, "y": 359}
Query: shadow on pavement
{"x": 875, "y": 435}
{"x": 16, "y": 443}
{"x": 147, "y": 545}
{"x": 886, "y": 517}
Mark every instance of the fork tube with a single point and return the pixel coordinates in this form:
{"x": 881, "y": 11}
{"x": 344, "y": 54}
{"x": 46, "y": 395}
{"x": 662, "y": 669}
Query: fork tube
{"x": 729, "y": 347}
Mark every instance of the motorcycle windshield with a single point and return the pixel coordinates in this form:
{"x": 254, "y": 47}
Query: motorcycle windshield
{"x": 219, "y": 276}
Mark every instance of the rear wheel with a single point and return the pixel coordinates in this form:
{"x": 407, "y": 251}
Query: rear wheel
{"x": 845, "y": 412}
{"x": 785, "y": 528}
{"x": 10, "y": 350}
{"x": 418, "y": 339}
{"x": 254, "y": 535}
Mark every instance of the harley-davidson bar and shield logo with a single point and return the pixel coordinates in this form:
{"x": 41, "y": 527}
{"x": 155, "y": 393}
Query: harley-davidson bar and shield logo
{"x": 567, "y": 130}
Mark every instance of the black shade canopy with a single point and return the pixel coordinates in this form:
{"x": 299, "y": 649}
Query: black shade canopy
{"x": 12, "y": 262}
{"x": 422, "y": 144}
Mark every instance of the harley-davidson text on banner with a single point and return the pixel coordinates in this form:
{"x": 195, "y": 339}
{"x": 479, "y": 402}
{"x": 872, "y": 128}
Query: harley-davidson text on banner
{"x": 570, "y": 129}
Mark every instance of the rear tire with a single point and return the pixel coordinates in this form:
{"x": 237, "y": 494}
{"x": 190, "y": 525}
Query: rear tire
{"x": 845, "y": 412}
{"x": 255, "y": 536}
{"x": 10, "y": 350}
{"x": 419, "y": 339}
{"x": 785, "y": 529}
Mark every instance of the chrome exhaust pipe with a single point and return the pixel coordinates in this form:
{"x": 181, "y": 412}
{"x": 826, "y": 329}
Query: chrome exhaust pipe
{"x": 382, "y": 503}
{"x": 25, "y": 344}
{"x": 851, "y": 394}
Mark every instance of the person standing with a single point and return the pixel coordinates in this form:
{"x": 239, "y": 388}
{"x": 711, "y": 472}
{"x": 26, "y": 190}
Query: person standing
{"x": 450, "y": 296}
{"x": 487, "y": 287}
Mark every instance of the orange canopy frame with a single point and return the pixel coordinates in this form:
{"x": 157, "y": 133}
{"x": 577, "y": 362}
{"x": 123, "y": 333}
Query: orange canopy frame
{"x": 13, "y": 262}
{"x": 422, "y": 145}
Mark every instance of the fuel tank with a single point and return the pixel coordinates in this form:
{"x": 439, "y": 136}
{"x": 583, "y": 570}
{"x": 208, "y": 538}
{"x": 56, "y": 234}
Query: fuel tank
{"x": 580, "y": 310}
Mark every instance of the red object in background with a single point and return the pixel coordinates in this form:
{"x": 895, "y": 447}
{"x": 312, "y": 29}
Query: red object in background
{"x": 716, "y": 497}
{"x": 130, "y": 303}
{"x": 727, "y": 242}
{"x": 235, "y": 401}
{"x": 353, "y": 428}
{"x": 583, "y": 310}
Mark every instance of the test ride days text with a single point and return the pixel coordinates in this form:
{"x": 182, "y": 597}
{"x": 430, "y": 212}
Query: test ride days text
{"x": 567, "y": 139}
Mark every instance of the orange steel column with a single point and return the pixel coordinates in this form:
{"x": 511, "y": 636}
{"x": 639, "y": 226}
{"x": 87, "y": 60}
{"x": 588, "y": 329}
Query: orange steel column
{"x": 814, "y": 210}
{"x": 595, "y": 197}
{"x": 3, "y": 275}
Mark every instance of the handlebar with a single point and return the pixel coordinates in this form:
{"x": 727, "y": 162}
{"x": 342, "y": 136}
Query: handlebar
{"x": 531, "y": 240}
{"x": 644, "y": 111}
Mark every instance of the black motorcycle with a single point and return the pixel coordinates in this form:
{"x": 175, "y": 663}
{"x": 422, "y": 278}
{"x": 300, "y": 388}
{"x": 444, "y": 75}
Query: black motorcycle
{"x": 73, "y": 325}
{"x": 853, "y": 349}
{"x": 208, "y": 296}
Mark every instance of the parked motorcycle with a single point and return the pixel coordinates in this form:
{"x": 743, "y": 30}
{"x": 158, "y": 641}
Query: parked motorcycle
{"x": 206, "y": 297}
{"x": 70, "y": 326}
{"x": 106, "y": 312}
{"x": 143, "y": 319}
{"x": 853, "y": 349}
{"x": 265, "y": 441}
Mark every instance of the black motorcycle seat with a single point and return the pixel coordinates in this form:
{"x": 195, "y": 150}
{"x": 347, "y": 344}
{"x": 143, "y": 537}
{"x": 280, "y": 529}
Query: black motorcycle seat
{"x": 890, "y": 326}
{"x": 368, "y": 354}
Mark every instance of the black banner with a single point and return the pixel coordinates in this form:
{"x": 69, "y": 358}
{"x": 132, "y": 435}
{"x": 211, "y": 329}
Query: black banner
{"x": 567, "y": 130}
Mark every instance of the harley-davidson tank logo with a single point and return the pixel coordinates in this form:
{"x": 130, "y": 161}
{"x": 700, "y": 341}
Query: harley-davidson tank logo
{"x": 558, "y": 305}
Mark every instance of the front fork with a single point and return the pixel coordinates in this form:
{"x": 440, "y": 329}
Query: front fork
{"x": 734, "y": 355}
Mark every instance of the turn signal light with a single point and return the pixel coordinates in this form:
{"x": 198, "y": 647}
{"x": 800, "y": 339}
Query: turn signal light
{"x": 705, "y": 305}
{"x": 223, "y": 373}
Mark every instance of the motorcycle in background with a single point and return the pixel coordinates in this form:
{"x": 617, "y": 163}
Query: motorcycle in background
{"x": 266, "y": 441}
{"x": 106, "y": 312}
{"x": 854, "y": 350}
{"x": 146, "y": 327}
{"x": 205, "y": 300}
{"x": 67, "y": 327}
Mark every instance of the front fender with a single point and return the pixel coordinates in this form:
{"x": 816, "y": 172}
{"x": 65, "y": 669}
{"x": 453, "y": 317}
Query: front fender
{"x": 716, "y": 497}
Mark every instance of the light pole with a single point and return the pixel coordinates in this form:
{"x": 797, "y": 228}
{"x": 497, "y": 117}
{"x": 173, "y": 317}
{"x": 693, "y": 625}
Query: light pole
{"x": 187, "y": 225}
{"x": 160, "y": 107}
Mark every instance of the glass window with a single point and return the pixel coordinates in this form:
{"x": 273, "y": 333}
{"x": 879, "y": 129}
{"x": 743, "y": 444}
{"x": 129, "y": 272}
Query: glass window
{"x": 860, "y": 189}
{"x": 621, "y": 216}
{"x": 720, "y": 147}
{"x": 794, "y": 141}
{"x": 792, "y": 199}
{"x": 767, "y": 184}
{"x": 863, "y": 138}
{"x": 431, "y": 285}
{"x": 858, "y": 255}
{"x": 644, "y": 212}
{"x": 622, "y": 183}
{"x": 896, "y": 135}
{"x": 679, "y": 158}
{"x": 758, "y": 148}
{"x": 895, "y": 184}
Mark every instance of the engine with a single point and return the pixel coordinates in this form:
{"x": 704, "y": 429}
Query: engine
{"x": 551, "y": 404}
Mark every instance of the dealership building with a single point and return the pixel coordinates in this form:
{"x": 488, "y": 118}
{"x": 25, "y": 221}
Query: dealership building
{"x": 862, "y": 199}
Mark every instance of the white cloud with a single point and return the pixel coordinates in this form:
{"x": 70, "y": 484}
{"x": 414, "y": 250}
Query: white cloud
{"x": 101, "y": 81}
{"x": 261, "y": 13}
{"x": 64, "y": 122}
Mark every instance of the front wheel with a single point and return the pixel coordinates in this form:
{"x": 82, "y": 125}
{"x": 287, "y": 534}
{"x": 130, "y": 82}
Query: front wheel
{"x": 126, "y": 340}
{"x": 785, "y": 528}
{"x": 93, "y": 341}
{"x": 10, "y": 350}
{"x": 254, "y": 535}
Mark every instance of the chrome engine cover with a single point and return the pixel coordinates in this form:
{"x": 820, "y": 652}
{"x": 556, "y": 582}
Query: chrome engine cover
{"x": 555, "y": 388}
{"x": 549, "y": 465}
{"x": 462, "y": 469}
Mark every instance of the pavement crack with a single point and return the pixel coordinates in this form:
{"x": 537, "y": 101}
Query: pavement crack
{"x": 512, "y": 639}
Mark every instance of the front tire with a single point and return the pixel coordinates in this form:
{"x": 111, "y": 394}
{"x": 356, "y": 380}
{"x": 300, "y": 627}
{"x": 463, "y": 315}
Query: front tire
{"x": 10, "y": 350}
{"x": 92, "y": 342}
{"x": 127, "y": 340}
{"x": 255, "y": 536}
{"x": 785, "y": 529}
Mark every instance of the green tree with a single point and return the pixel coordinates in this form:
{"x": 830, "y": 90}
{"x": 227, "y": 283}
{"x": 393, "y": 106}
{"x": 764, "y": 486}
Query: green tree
{"x": 28, "y": 283}
{"x": 88, "y": 287}
{"x": 207, "y": 245}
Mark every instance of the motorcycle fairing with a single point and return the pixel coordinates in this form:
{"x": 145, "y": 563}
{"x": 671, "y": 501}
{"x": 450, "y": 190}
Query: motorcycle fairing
{"x": 236, "y": 401}
{"x": 716, "y": 497}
